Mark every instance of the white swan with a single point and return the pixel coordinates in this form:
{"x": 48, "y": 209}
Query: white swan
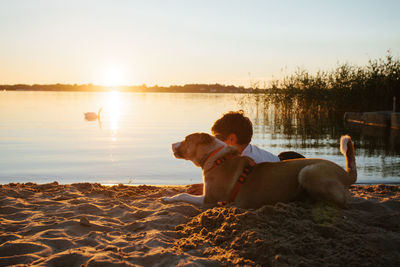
{"x": 92, "y": 116}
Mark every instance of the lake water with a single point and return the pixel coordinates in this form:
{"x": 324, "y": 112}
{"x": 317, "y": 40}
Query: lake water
{"x": 44, "y": 137}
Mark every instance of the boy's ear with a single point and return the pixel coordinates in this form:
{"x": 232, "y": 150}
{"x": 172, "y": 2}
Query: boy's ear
{"x": 232, "y": 139}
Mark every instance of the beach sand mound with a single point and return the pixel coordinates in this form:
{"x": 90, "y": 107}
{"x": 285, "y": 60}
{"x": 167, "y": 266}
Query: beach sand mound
{"x": 96, "y": 225}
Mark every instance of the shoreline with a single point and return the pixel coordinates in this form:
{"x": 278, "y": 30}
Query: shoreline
{"x": 170, "y": 185}
{"x": 125, "y": 225}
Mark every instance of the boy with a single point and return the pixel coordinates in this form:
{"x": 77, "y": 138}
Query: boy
{"x": 236, "y": 130}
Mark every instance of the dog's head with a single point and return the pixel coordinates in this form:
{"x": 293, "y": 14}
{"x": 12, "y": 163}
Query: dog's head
{"x": 195, "y": 146}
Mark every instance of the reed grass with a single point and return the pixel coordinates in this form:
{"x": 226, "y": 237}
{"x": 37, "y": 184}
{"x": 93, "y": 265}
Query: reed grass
{"x": 310, "y": 105}
{"x": 346, "y": 88}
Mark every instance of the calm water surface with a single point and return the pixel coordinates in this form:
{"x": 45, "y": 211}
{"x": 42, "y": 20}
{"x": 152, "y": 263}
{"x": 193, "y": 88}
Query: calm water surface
{"x": 44, "y": 137}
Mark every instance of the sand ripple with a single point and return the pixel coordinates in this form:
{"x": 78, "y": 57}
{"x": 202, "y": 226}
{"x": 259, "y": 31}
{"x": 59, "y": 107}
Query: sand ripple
{"x": 95, "y": 225}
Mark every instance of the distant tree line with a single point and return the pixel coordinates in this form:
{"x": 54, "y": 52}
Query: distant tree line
{"x": 188, "y": 88}
{"x": 345, "y": 88}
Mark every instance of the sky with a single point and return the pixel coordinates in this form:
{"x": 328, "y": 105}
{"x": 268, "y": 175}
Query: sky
{"x": 171, "y": 42}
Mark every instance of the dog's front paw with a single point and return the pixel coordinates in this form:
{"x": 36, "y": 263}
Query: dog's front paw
{"x": 167, "y": 199}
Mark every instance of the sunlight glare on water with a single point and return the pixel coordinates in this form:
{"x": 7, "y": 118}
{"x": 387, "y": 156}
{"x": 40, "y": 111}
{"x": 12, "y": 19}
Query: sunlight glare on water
{"x": 114, "y": 106}
{"x": 44, "y": 137}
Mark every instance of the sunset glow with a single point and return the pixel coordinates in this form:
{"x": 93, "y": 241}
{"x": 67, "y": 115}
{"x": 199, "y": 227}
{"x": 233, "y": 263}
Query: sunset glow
{"x": 113, "y": 116}
{"x": 113, "y": 76}
{"x": 185, "y": 42}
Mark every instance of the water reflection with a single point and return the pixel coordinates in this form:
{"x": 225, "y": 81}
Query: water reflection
{"x": 113, "y": 108}
{"x": 314, "y": 124}
{"x": 41, "y": 146}
{"x": 315, "y": 130}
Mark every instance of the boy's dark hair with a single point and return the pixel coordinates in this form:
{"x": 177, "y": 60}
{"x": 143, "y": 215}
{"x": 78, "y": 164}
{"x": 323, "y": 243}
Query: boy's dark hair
{"x": 233, "y": 122}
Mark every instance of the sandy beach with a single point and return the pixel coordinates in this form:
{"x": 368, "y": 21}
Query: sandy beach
{"x": 96, "y": 225}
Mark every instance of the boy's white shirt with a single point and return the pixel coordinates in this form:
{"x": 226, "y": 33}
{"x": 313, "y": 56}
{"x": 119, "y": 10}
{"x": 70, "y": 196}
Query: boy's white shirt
{"x": 259, "y": 155}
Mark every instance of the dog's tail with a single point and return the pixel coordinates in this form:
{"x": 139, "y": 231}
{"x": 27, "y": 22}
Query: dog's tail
{"x": 347, "y": 149}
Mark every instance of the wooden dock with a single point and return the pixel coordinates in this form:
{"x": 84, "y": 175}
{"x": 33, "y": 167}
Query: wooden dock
{"x": 395, "y": 120}
{"x": 379, "y": 118}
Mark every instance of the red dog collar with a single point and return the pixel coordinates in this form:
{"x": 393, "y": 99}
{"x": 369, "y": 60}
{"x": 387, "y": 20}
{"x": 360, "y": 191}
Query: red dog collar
{"x": 207, "y": 156}
{"x": 241, "y": 180}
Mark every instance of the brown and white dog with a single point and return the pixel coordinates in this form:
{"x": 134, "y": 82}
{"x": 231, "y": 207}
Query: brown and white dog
{"x": 264, "y": 183}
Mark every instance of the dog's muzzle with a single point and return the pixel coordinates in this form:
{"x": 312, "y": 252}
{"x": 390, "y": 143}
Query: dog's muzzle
{"x": 176, "y": 150}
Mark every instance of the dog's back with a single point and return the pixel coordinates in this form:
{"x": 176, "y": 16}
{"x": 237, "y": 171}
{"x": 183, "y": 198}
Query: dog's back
{"x": 272, "y": 182}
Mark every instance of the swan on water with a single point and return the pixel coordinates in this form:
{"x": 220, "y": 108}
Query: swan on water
{"x": 91, "y": 116}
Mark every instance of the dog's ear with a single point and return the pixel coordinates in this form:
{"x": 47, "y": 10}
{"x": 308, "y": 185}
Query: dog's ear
{"x": 205, "y": 138}
{"x": 199, "y": 138}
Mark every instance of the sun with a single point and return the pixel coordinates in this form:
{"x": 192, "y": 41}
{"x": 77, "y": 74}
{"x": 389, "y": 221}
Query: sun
{"x": 114, "y": 76}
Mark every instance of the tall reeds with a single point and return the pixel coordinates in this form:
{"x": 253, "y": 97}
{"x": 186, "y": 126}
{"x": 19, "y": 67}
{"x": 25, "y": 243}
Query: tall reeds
{"x": 346, "y": 88}
{"x": 307, "y": 105}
